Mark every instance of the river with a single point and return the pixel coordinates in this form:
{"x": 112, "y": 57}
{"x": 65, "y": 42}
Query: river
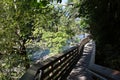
{"x": 40, "y": 54}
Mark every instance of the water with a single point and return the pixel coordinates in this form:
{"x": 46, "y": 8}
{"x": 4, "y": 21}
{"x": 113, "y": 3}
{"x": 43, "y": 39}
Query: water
{"x": 40, "y": 53}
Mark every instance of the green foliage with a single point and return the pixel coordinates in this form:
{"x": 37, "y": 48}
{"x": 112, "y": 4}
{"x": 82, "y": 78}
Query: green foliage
{"x": 30, "y": 23}
{"x": 11, "y": 67}
{"x": 56, "y": 29}
{"x": 84, "y": 25}
{"x": 17, "y": 24}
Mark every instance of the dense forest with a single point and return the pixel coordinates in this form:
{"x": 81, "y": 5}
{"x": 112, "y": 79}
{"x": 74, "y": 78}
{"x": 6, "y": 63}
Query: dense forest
{"x": 27, "y": 25}
{"x": 30, "y": 25}
{"x": 104, "y": 20}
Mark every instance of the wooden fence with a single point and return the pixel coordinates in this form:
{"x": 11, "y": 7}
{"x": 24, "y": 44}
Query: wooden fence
{"x": 57, "y": 67}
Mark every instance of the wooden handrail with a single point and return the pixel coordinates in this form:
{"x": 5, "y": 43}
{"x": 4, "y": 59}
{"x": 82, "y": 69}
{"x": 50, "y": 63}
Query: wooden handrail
{"x": 56, "y": 67}
{"x": 105, "y": 72}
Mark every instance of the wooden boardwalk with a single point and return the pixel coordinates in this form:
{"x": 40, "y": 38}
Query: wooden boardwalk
{"x": 80, "y": 71}
{"x": 78, "y": 59}
{"x": 86, "y": 69}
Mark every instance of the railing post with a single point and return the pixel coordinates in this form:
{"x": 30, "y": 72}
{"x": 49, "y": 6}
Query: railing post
{"x": 40, "y": 74}
{"x": 92, "y": 60}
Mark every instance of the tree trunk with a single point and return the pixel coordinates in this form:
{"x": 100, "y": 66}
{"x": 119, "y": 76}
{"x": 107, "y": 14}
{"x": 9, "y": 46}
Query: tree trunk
{"x": 24, "y": 54}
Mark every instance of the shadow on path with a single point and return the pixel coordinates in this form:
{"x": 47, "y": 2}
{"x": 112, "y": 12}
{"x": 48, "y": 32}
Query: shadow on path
{"x": 80, "y": 72}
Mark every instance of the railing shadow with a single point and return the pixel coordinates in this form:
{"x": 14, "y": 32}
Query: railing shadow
{"x": 79, "y": 71}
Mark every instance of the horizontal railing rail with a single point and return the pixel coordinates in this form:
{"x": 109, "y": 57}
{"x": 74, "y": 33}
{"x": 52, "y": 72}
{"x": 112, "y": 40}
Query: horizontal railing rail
{"x": 57, "y": 67}
{"x": 103, "y": 73}
{"x": 107, "y": 73}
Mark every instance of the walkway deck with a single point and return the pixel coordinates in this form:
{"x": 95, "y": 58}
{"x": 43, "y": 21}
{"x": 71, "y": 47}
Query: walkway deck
{"x": 85, "y": 69}
{"x": 80, "y": 71}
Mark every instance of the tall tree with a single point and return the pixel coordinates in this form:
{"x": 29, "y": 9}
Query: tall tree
{"x": 17, "y": 24}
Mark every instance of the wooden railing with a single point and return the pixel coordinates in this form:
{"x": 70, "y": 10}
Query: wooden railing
{"x": 101, "y": 72}
{"x": 57, "y": 67}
